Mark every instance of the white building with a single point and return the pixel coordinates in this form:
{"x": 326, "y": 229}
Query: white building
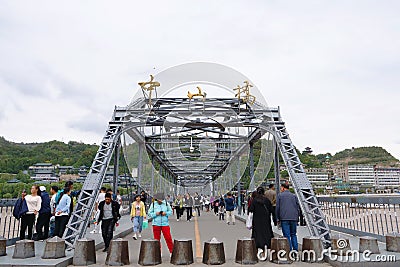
{"x": 386, "y": 176}
{"x": 361, "y": 174}
{"x": 317, "y": 175}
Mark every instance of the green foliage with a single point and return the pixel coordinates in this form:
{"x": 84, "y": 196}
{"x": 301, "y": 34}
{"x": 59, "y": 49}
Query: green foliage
{"x": 15, "y": 157}
{"x": 8, "y": 195}
{"x": 365, "y": 155}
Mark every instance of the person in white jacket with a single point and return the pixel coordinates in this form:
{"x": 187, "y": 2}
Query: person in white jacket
{"x": 34, "y": 203}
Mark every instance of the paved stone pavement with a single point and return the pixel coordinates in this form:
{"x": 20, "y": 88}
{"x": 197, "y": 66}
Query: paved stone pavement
{"x": 209, "y": 226}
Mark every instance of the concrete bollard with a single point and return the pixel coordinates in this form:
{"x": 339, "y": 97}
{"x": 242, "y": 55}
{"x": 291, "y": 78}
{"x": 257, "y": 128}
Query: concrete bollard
{"x": 314, "y": 246}
{"x": 340, "y": 245}
{"x": 280, "y": 245}
{"x": 150, "y": 252}
{"x": 118, "y": 254}
{"x": 213, "y": 253}
{"x": 183, "y": 252}
{"x": 54, "y": 248}
{"x": 393, "y": 242}
{"x": 24, "y": 249}
{"x": 85, "y": 252}
{"x": 368, "y": 243}
{"x": 3, "y": 246}
{"x": 246, "y": 251}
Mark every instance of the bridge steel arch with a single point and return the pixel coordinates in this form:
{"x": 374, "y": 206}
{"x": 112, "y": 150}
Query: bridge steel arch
{"x": 195, "y": 142}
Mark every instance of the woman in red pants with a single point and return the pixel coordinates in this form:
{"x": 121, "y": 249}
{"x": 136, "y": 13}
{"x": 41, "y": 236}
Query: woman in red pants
{"x": 160, "y": 210}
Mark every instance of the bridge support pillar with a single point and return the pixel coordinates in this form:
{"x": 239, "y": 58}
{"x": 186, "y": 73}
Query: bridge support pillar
{"x": 183, "y": 252}
{"x": 340, "y": 245}
{"x": 118, "y": 253}
{"x": 54, "y": 249}
{"x": 150, "y": 252}
{"x": 313, "y": 245}
{"x": 368, "y": 243}
{"x": 24, "y": 249}
{"x": 246, "y": 251}
{"x": 213, "y": 253}
{"x": 3, "y": 246}
{"x": 280, "y": 244}
{"x": 392, "y": 242}
{"x": 85, "y": 252}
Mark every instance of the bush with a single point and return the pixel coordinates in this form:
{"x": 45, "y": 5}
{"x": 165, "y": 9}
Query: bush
{"x": 7, "y": 195}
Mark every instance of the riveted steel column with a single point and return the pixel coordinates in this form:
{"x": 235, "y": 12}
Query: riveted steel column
{"x": 140, "y": 167}
{"x": 116, "y": 165}
{"x": 239, "y": 187}
{"x": 152, "y": 175}
{"x": 251, "y": 167}
{"x": 277, "y": 168}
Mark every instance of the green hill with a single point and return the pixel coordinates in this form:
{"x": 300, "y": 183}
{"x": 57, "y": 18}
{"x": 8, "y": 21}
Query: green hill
{"x": 15, "y": 157}
{"x": 365, "y": 155}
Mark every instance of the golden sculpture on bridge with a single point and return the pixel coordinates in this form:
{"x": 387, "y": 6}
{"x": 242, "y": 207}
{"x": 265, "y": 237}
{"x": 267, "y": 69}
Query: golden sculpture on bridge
{"x": 243, "y": 93}
{"x": 149, "y": 86}
{"x": 200, "y": 93}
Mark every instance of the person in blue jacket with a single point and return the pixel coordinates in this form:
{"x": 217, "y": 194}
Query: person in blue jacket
{"x": 160, "y": 210}
{"x": 44, "y": 215}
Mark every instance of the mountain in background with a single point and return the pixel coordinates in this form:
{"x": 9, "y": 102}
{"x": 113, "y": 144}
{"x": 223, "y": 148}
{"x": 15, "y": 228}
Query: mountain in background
{"x": 15, "y": 157}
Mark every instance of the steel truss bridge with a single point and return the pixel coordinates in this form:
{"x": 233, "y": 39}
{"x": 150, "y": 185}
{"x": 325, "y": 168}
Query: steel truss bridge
{"x": 201, "y": 143}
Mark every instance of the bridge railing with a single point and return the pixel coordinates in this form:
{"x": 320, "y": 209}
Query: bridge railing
{"x": 9, "y": 226}
{"x": 362, "y": 215}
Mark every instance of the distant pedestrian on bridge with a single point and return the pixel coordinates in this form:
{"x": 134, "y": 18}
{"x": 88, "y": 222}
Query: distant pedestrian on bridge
{"x": 178, "y": 207}
{"x": 271, "y": 195}
{"x": 261, "y": 227}
{"x": 287, "y": 215}
{"x": 138, "y": 213}
{"x": 230, "y": 207}
{"x": 197, "y": 203}
{"x": 160, "y": 210}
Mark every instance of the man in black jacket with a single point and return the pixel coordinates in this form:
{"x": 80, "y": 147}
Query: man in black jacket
{"x": 109, "y": 215}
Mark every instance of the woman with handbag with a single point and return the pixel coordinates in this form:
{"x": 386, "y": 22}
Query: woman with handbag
{"x": 261, "y": 208}
{"x": 138, "y": 213}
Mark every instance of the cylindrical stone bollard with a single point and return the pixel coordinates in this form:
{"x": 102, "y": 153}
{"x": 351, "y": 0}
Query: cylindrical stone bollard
{"x": 393, "y": 242}
{"x": 182, "y": 253}
{"x": 54, "y": 248}
{"x": 246, "y": 251}
{"x": 214, "y": 253}
{"x": 118, "y": 253}
{"x": 3, "y": 242}
{"x": 150, "y": 252}
{"x": 368, "y": 243}
{"x": 340, "y": 245}
{"x": 280, "y": 250}
{"x": 85, "y": 252}
{"x": 312, "y": 249}
{"x": 24, "y": 249}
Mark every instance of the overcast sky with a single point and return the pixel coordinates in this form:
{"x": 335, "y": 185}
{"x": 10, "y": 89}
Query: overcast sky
{"x": 333, "y": 67}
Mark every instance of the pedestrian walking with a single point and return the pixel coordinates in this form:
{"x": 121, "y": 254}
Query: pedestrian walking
{"x": 43, "y": 220}
{"x": 271, "y": 195}
{"x": 109, "y": 216}
{"x": 197, "y": 203}
{"x": 160, "y": 210}
{"x": 287, "y": 215}
{"x": 138, "y": 213}
{"x": 261, "y": 226}
{"x": 230, "y": 207}
{"x": 178, "y": 203}
{"x": 101, "y": 197}
{"x": 188, "y": 203}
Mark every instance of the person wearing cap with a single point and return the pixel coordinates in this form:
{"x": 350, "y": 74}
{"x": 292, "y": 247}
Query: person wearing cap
{"x": 138, "y": 213}
{"x": 160, "y": 210}
{"x": 44, "y": 215}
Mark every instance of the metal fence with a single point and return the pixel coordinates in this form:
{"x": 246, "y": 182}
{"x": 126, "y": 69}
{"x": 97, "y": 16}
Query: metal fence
{"x": 362, "y": 214}
{"x": 9, "y": 226}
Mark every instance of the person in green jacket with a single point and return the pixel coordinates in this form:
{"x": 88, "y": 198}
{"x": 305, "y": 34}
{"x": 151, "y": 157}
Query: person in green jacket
{"x": 160, "y": 210}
